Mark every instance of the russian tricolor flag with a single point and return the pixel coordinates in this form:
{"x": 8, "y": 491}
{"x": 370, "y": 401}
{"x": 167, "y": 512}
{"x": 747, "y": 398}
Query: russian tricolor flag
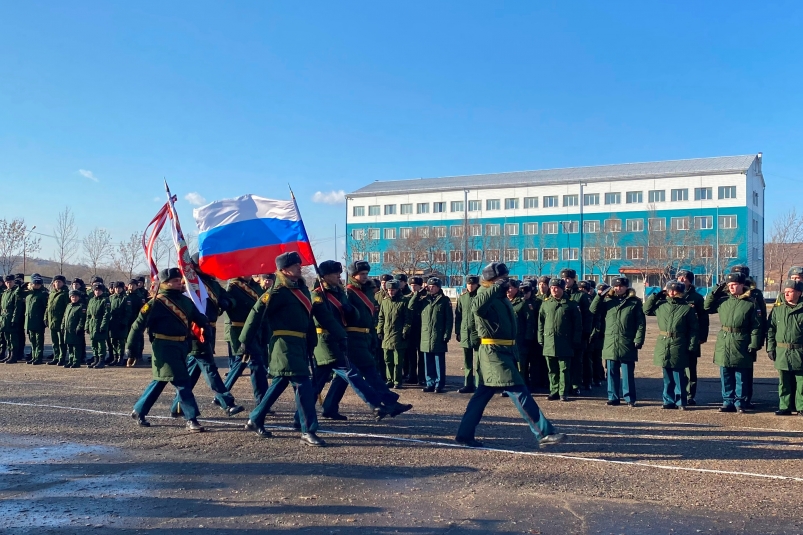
{"x": 243, "y": 236}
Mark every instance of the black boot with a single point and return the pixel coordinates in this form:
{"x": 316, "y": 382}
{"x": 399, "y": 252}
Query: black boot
{"x": 99, "y": 364}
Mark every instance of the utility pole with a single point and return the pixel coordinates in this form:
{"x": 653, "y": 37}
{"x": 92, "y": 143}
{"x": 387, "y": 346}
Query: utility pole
{"x": 465, "y": 234}
{"x": 582, "y": 231}
{"x": 25, "y": 247}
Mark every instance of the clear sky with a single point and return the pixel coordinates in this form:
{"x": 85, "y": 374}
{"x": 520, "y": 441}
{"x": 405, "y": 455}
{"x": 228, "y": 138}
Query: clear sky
{"x": 101, "y": 100}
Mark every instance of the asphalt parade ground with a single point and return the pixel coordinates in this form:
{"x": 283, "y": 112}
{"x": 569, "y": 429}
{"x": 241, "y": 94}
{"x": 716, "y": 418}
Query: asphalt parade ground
{"x": 73, "y": 461}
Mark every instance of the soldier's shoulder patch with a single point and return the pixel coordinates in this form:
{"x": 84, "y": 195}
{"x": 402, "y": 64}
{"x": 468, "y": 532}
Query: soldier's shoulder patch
{"x": 317, "y": 299}
{"x": 144, "y": 309}
{"x": 265, "y": 297}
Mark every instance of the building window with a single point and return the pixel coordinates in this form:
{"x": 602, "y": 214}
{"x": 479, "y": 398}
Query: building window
{"x": 656, "y": 195}
{"x": 613, "y": 198}
{"x": 422, "y": 208}
{"x": 656, "y": 253}
{"x": 530, "y": 255}
{"x": 474, "y": 206}
{"x": 679, "y": 252}
{"x": 512, "y": 204}
{"x": 439, "y": 232}
{"x": 422, "y": 232}
{"x": 613, "y": 253}
{"x": 492, "y": 204}
{"x": 680, "y": 223}
{"x": 729, "y": 222}
{"x": 632, "y": 197}
{"x": 405, "y": 232}
{"x": 390, "y": 209}
{"x": 657, "y": 224}
{"x": 727, "y": 192}
{"x": 438, "y": 207}
{"x": 358, "y": 211}
{"x": 511, "y": 229}
{"x": 703, "y": 251}
{"x": 550, "y": 201}
{"x": 571, "y": 200}
{"x": 530, "y": 229}
{"x": 475, "y": 230}
{"x": 550, "y": 227}
{"x": 373, "y": 233}
{"x": 492, "y": 230}
{"x": 456, "y": 281}
{"x": 511, "y": 255}
{"x": 390, "y": 233}
{"x": 590, "y": 199}
{"x": 389, "y": 257}
{"x": 703, "y": 194}
{"x": 456, "y": 256}
{"x": 549, "y": 255}
{"x": 570, "y": 227}
{"x": 729, "y": 251}
{"x": 613, "y": 225}
{"x": 634, "y": 253}
{"x": 634, "y": 225}
{"x": 439, "y": 257}
{"x": 456, "y": 231}
{"x": 755, "y": 198}
{"x": 406, "y": 209}
{"x": 704, "y": 222}
{"x": 373, "y": 257}
{"x": 457, "y": 206}
{"x": 570, "y": 253}
{"x": 373, "y": 209}
{"x": 531, "y": 202}
{"x": 755, "y": 225}
{"x": 475, "y": 255}
{"x": 357, "y": 233}
{"x": 492, "y": 255}
{"x": 591, "y": 227}
{"x": 680, "y": 195}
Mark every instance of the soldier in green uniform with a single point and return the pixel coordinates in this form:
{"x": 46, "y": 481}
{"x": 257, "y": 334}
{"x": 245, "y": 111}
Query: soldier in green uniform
{"x": 622, "y": 314}
{"x": 785, "y": 348}
{"x": 379, "y": 295}
{"x": 243, "y": 293}
{"x": 677, "y": 339}
{"x": 392, "y": 327}
{"x": 538, "y": 369}
{"x": 496, "y": 372}
{"x": 35, "y": 308}
{"x": 696, "y": 301}
{"x": 11, "y": 316}
{"x": 560, "y": 329}
{"x": 757, "y": 296}
{"x": 168, "y": 318}
{"x": 98, "y": 312}
{"x": 543, "y": 293}
{"x": 73, "y": 325}
{"x": 414, "y": 359}
{"x": 795, "y": 273}
{"x": 78, "y": 284}
{"x": 57, "y": 302}
{"x": 3, "y": 343}
{"x": 519, "y": 295}
{"x": 574, "y": 293}
{"x": 137, "y": 299}
{"x": 595, "y": 342}
{"x": 120, "y": 313}
{"x": 287, "y": 307}
{"x": 437, "y": 321}
{"x": 466, "y": 333}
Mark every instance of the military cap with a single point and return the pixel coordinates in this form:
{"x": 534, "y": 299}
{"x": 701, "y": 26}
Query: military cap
{"x": 675, "y": 286}
{"x": 141, "y": 279}
{"x": 37, "y": 279}
{"x": 285, "y": 260}
{"x": 19, "y": 276}
{"x": 685, "y": 274}
{"x": 95, "y": 279}
{"x": 434, "y": 281}
{"x": 744, "y": 270}
{"x": 591, "y": 283}
{"x": 401, "y": 277}
{"x": 9, "y": 278}
{"x": 61, "y": 278}
{"x": 133, "y": 281}
{"x": 560, "y": 283}
{"x": 98, "y": 286}
{"x": 525, "y": 287}
{"x": 358, "y": 266}
{"x": 602, "y": 287}
{"x": 544, "y": 278}
{"x": 119, "y": 284}
{"x": 167, "y": 274}
{"x": 77, "y": 280}
{"x": 793, "y": 285}
{"x": 328, "y": 267}
{"x": 494, "y": 270}
{"x": 515, "y": 283}
{"x": 620, "y": 281}
{"x": 737, "y": 277}
{"x": 583, "y": 285}
{"x": 75, "y": 293}
{"x": 567, "y": 273}
{"x": 385, "y": 277}
{"x": 392, "y": 285}
{"x": 795, "y": 270}
{"x": 417, "y": 280}
{"x": 472, "y": 279}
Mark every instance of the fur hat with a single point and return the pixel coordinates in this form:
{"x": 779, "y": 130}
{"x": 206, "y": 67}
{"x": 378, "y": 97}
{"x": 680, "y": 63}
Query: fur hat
{"x": 545, "y": 279}
{"x": 9, "y": 278}
{"x": 417, "y": 280}
{"x": 358, "y": 266}
{"x": 472, "y": 279}
{"x": 793, "y": 285}
{"x": 557, "y": 282}
{"x": 675, "y": 286}
{"x": 684, "y": 274}
{"x": 167, "y": 274}
{"x": 737, "y": 277}
{"x": 400, "y": 277}
{"x": 392, "y": 285}
{"x": 744, "y": 270}
{"x": 621, "y": 281}
{"x": 75, "y": 293}
{"x": 567, "y": 273}
{"x": 328, "y": 267}
{"x": 285, "y": 260}
{"x": 434, "y": 281}
{"x": 61, "y": 278}
{"x": 385, "y": 277}
{"x": 494, "y": 270}
{"x": 795, "y": 270}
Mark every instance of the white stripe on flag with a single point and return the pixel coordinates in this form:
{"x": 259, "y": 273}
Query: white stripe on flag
{"x": 245, "y": 208}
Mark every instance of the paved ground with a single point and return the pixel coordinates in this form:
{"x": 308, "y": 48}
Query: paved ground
{"x": 71, "y": 461}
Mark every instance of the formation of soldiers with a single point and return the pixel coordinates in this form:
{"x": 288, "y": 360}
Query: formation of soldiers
{"x": 376, "y": 335}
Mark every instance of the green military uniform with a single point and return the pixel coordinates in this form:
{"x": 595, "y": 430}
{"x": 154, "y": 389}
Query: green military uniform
{"x": 583, "y": 302}
{"x": 437, "y": 321}
{"x": 560, "y": 330}
{"x": 527, "y": 323}
{"x": 696, "y": 301}
{"x": 121, "y": 309}
{"x": 244, "y": 294}
{"x": 393, "y": 325}
{"x": 379, "y": 353}
{"x": 3, "y": 343}
{"x": 785, "y": 348}
{"x": 35, "y": 308}
{"x": 415, "y": 358}
{"x": 57, "y": 303}
{"x": 466, "y": 329}
{"x": 98, "y": 313}
{"x": 73, "y": 326}
{"x": 361, "y": 329}
{"x": 138, "y": 298}
{"x": 12, "y": 322}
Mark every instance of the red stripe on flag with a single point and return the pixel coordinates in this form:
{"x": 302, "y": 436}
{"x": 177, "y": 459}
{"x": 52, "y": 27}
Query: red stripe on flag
{"x": 253, "y": 261}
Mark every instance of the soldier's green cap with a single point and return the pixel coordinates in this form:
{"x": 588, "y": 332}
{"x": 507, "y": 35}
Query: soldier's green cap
{"x": 793, "y": 285}
{"x": 75, "y": 293}
{"x": 795, "y": 270}
{"x": 392, "y": 285}
{"x": 735, "y": 277}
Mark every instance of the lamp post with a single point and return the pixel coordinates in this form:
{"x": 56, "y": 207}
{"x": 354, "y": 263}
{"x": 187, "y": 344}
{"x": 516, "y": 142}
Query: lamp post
{"x": 25, "y": 247}
{"x": 716, "y": 253}
{"x": 582, "y": 255}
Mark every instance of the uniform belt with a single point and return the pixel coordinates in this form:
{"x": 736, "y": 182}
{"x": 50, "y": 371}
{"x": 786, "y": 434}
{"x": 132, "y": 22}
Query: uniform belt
{"x": 732, "y": 329}
{"x": 238, "y": 324}
{"x": 668, "y": 334}
{"x": 297, "y": 334}
{"x": 497, "y": 342}
{"x": 169, "y": 338}
{"x": 321, "y": 331}
{"x": 790, "y": 346}
{"x": 358, "y": 330}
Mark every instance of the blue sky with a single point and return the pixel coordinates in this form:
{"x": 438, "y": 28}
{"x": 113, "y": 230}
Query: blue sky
{"x": 101, "y": 100}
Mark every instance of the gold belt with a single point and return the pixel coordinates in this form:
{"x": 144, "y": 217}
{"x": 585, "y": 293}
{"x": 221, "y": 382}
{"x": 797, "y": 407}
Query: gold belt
{"x": 297, "y": 334}
{"x": 667, "y": 334}
{"x": 238, "y": 324}
{"x": 169, "y": 338}
{"x": 497, "y": 342}
{"x": 358, "y": 330}
{"x": 789, "y": 346}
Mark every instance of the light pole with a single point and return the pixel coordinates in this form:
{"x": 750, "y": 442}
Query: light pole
{"x": 582, "y": 230}
{"x": 25, "y": 247}
{"x": 716, "y": 253}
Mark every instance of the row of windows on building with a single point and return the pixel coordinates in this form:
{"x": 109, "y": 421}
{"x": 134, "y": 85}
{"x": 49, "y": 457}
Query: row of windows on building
{"x": 700, "y": 281}
{"x": 654, "y": 224}
{"x": 554, "y": 254}
{"x": 552, "y": 201}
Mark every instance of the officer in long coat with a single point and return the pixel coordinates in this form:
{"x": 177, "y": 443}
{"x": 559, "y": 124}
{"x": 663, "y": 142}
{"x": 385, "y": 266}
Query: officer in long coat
{"x": 392, "y": 327}
{"x": 437, "y": 321}
{"x": 574, "y": 293}
{"x": 98, "y": 312}
{"x": 416, "y": 371}
{"x": 135, "y": 295}
{"x": 35, "y": 309}
{"x": 466, "y": 333}
{"x": 497, "y": 371}
{"x": 785, "y": 348}
{"x": 696, "y": 301}
{"x": 560, "y": 329}
{"x": 120, "y": 312}
{"x": 12, "y": 316}
{"x": 757, "y": 296}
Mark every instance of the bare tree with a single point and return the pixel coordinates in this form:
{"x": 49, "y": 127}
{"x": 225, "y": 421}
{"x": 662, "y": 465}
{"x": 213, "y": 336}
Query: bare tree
{"x": 128, "y": 255}
{"x": 15, "y": 242}
{"x": 66, "y": 234}
{"x": 361, "y": 243}
{"x": 787, "y": 229}
{"x": 97, "y": 248}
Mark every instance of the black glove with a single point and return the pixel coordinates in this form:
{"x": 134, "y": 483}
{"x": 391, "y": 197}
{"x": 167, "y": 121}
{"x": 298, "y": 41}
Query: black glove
{"x": 662, "y": 294}
{"x": 457, "y": 337}
{"x": 348, "y": 308}
{"x": 771, "y": 355}
{"x": 752, "y": 352}
{"x": 721, "y": 289}
{"x": 224, "y": 303}
{"x": 638, "y": 346}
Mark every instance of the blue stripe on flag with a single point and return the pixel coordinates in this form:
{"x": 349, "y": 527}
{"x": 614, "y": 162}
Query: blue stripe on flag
{"x": 249, "y": 234}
